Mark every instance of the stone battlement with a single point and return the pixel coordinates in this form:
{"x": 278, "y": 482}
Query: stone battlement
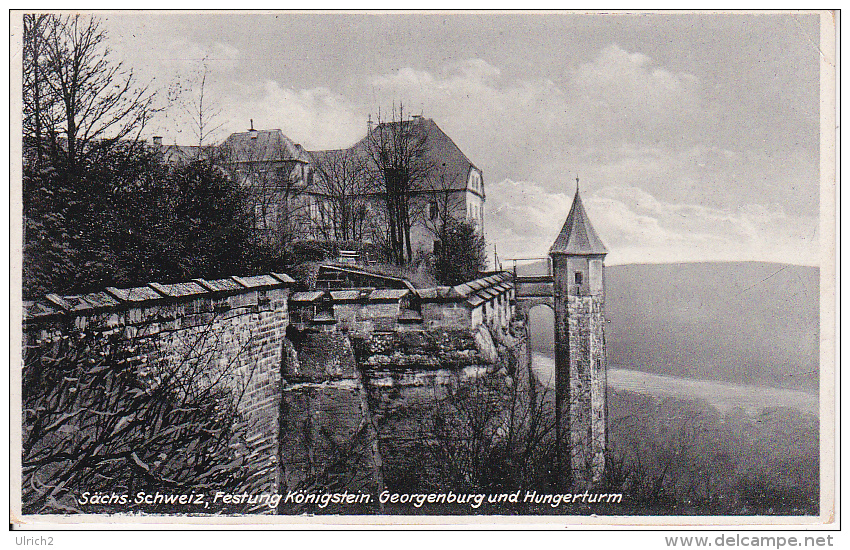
{"x": 366, "y": 309}
{"x": 238, "y": 327}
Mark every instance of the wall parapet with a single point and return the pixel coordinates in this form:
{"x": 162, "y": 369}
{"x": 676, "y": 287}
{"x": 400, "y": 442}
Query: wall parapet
{"x": 54, "y": 307}
{"x": 489, "y": 300}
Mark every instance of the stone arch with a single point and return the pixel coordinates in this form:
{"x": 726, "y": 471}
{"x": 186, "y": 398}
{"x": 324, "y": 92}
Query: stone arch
{"x": 524, "y": 305}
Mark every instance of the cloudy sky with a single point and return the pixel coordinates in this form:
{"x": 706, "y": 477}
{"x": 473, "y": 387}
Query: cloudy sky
{"x": 695, "y": 137}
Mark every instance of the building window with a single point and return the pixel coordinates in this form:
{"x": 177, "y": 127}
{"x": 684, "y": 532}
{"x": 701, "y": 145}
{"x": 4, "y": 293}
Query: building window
{"x": 314, "y": 208}
{"x": 433, "y": 209}
{"x": 438, "y": 247}
{"x": 579, "y": 277}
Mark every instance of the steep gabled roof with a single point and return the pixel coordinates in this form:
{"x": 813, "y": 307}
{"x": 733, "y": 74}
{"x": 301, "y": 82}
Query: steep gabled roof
{"x": 444, "y": 153}
{"x": 441, "y": 152}
{"x": 578, "y": 236}
{"x": 267, "y": 146}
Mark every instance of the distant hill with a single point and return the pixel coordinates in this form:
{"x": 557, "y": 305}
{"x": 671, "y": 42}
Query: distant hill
{"x": 745, "y": 322}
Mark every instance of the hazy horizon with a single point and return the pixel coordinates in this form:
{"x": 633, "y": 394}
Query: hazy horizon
{"x": 743, "y": 322}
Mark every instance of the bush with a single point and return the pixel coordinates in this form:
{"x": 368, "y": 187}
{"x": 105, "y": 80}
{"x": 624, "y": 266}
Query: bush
{"x": 461, "y": 254}
{"x": 128, "y": 220}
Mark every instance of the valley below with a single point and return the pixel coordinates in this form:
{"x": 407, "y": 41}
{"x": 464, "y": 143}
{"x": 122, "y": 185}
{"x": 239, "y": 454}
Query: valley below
{"x": 726, "y": 397}
{"x": 713, "y": 380}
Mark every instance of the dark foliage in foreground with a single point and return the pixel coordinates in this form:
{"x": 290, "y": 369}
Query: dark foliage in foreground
{"x": 127, "y": 220}
{"x": 99, "y": 416}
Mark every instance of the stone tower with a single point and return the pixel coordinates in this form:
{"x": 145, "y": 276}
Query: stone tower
{"x": 578, "y": 274}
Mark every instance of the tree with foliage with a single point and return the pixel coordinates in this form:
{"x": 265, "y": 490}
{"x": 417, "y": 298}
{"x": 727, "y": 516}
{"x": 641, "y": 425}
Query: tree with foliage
{"x": 150, "y": 222}
{"x": 190, "y": 221}
{"x": 461, "y": 254}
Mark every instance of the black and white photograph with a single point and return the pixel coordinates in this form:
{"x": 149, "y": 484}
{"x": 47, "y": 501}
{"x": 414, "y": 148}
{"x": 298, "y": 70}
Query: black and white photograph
{"x": 423, "y": 267}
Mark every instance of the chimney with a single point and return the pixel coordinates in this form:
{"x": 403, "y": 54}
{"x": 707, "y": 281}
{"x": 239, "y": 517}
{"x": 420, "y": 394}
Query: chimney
{"x": 157, "y": 141}
{"x": 369, "y": 125}
{"x": 252, "y": 131}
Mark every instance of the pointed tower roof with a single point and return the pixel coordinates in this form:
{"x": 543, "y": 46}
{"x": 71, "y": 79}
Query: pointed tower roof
{"x": 578, "y": 236}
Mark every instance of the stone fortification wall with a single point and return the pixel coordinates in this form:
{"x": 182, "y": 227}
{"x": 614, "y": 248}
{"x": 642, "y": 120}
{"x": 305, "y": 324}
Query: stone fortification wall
{"x": 329, "y": 381}
{"x": 364, "y": 310}
{"x": 229, "y": 330}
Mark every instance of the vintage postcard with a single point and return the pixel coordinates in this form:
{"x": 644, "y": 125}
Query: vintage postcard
{"x": 516, "y": 269}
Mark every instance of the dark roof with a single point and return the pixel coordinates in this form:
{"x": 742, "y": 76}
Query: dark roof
{"x": 578, "y": 236}
{"x": 180, "y": 154}
{"x": 444, "y": 153}
{"x": 268, "y": 146}
{"x": 440, "y": 152}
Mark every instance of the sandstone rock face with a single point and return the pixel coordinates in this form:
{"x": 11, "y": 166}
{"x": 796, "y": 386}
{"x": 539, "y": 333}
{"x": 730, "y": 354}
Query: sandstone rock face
{"x": 327, "y": 436}
{"x": 336, "y": 406}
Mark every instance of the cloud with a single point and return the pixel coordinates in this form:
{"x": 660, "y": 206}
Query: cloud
{"x": 619, "y": 99}
{"x": 523, "y": 220}
{"x": 184, "y": 53}
{"x": 624, "y": 82}
{"x": 318, "y": 118}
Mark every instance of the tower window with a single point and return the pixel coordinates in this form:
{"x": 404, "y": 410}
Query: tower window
{"x": 579, "y": 277}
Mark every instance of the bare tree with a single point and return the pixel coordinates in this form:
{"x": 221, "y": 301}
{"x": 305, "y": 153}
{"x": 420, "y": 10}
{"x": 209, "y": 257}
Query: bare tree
{"x": 491, "y": 436}
{"x": 94, "y": 101}
{"x": 398, "y": 167}
{"x": 339, "y": 185}
{"x": 192, "y": 97}
{"x": 37, "y": 112}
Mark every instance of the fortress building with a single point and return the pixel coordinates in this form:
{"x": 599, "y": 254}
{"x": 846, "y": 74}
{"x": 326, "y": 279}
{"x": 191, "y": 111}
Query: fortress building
{"x": 340, "y": 194}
